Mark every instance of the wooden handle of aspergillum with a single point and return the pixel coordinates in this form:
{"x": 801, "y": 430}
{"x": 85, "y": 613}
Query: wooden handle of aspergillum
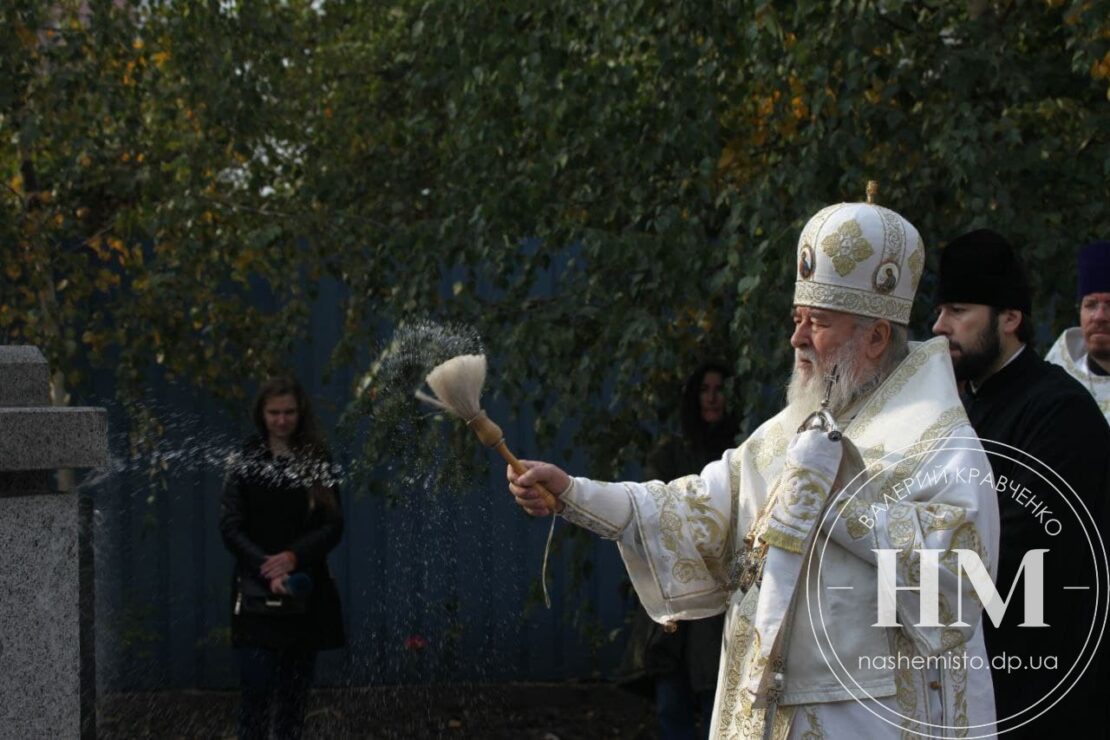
{"x": 491, "y": 436}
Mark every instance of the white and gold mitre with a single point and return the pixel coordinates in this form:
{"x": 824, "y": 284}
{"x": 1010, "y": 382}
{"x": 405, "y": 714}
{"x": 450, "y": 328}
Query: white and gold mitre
{"x": 859, "y": 258}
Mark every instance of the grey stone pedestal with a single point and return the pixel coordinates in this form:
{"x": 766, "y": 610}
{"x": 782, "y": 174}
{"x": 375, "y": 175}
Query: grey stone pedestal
{"x": 47, "y": 682}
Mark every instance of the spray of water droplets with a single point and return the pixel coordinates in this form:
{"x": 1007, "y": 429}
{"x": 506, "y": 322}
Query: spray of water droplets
{"x": 412, "y": 353}
{"x": 393, "y": 445}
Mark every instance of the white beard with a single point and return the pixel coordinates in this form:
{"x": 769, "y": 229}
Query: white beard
{"x": 806, "y": 390}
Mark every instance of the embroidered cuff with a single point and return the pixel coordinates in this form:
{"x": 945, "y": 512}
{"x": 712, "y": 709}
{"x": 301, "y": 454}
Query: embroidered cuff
{"x": 797, "y": 506}
{"x": 603, "y": 508}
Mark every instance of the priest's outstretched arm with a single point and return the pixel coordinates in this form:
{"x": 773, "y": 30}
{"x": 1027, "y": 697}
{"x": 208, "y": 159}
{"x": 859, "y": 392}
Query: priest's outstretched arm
{"x": 676, "y": 538}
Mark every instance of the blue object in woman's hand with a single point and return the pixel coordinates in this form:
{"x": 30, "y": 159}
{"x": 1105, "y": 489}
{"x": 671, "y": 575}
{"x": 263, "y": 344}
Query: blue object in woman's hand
{"x": 299, "y": 584}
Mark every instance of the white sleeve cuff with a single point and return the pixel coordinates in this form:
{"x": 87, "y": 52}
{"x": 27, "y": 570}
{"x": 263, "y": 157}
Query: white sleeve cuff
{"x": 603, "y": 508}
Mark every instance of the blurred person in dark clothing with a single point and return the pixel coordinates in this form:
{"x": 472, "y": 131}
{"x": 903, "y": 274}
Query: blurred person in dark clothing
{"x": 280, "y": 517}
{"x": 679, "y": 669}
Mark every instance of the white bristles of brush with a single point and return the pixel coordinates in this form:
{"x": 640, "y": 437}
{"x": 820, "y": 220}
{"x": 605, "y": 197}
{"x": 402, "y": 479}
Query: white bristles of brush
{"x": 457, "y": 385}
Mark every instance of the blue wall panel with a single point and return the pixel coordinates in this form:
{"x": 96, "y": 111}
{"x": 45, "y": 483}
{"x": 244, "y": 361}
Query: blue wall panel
{"x": 453, "y": 566}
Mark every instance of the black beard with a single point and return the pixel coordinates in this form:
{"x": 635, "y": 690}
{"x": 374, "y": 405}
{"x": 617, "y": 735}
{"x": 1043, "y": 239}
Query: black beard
{"x": 974, "y": 361}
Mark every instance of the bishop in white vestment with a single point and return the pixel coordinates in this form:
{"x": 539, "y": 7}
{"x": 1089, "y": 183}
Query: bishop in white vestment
{"x": 851, "y": 567}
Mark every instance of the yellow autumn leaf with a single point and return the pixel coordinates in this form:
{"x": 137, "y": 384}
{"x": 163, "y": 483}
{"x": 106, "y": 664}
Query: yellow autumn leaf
{"x": 242, "y": 261}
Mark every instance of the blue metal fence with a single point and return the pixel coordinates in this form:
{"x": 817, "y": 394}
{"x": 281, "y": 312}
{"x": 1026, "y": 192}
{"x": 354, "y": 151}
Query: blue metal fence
{"x": 454, "y": 567}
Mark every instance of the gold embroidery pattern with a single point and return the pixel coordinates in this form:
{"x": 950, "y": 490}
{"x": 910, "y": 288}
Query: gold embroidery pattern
{"x": 950, "y": 637}
{"x": 814, "y": 730}
{"x": 735, "y": 704}
{"x": 934, "y": 517}
{"x": 734, "y": 471}
{"x": 737, "y": 718}
{"x": 894, "y": 384}
{"x": 855, "y": 504}
{"x": 813, "y": 228}
{"x": 894, "y": 235}
{"x": 958, "y": 674}
{"x": 734, "y": 481}
{"x": 772, "y": 446}
{"x": 967, "y": 537}
{"x": 705, "y": 525}
{"x": 940, "y": 517}
{"x": 873, "y": 457}
{"x": 901, "y": 527}
{"x": 846, "y": 247}
{"x": 686, "y": 570}
{"x": 916, "y": 263}
{"x": 853, "y": 300}
{"x": 853, "y": 512}
{"x": 914, "y": 457}
{"x": 909, "y": 566}
{"x": 670, "y": 527}
{"x": 759, "y": 661}
{"x": 905, "y": 686}
{"x": 670, "y": 524}
{"x": 705, "y": 522}
{"x": 784, "y": 718}
{"x": 803, "y": 494}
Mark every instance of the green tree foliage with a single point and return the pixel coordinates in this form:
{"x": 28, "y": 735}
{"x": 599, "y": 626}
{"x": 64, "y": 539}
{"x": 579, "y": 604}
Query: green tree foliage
{"x": 147, "y": 155}
{"x": 653, "y": 162}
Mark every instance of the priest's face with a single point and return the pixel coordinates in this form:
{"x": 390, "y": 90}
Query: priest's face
{"x": 1094, "y": 320}
{"x": 824, "y": 340}
{"x": 973, "y": 338}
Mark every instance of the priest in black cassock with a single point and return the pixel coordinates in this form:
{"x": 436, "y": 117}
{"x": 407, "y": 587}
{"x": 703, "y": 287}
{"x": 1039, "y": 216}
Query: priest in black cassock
{"x": 1015, "y": 398}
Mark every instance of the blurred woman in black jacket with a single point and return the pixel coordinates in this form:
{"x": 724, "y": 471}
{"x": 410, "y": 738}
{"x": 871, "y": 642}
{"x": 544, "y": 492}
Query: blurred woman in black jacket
{"x": 280, "y": 517}
{"x": 679, "y": 669}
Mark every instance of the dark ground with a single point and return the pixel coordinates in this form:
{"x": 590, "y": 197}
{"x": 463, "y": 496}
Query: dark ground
{"x": 520, "y": 712}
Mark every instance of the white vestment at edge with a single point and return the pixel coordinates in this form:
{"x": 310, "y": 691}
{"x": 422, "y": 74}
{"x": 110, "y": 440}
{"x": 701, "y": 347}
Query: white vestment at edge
{"x": 932, "y": 490}
{"x": 1070, "y": 353}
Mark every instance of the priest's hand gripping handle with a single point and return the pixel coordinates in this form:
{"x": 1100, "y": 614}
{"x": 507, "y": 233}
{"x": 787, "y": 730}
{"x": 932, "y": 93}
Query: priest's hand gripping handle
{"x": 491, "y": 436}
